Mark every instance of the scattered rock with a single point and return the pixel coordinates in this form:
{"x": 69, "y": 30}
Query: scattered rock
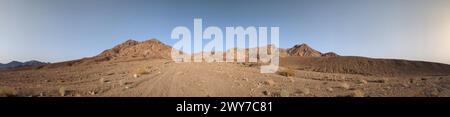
{"x": 330, "y": 89}
{"x": 245, "y": 79}
{"x": 102, "y": 80}
{"x": 344, "y": 86}
{"x": 269, "y": 82}
{"x": 434, "y": 92}
{"x": 291, "y": 79}
{"x": 91, "y": 92}
{"x": 61, "y": 81}
{"x": 266, "y": 92}
{"x": 411, "y": 81}
{"x": 78, "y": 95}
{"x": 383, "y": 80}
{"x": 304, "y": 91}
{"x": 357, "y": 93}
{"x": 135, "y": 75}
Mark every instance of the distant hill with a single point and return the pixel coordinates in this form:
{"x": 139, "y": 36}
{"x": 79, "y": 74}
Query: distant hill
{"x": 305, "y": 50}
{"x": 17, "y": 64}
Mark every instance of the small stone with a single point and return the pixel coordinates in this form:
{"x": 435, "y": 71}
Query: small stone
{"x": 245, "y": 79}
{"x": 91, "y": 92}
{"x": 362, "y": 81}
{"x": 291, "y": 80}
{"x": 405, "y": 85}
{"x": 330, "y": 89}
{"x": 135, "y": 75}
{"x": 284, "y": 93}
{"x": 344, "y": 86}
{"x": 269, "y": 82}
{"x": 266, "y": 92}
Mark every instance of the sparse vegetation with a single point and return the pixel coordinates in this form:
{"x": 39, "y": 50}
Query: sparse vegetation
{"x": 344, "y": 86}
{"x": 7, "y": 92}
{"x": 62, "y": 91}
{"x": 357, "y": 93}
{"x": 329, "y": 89}
{"x": 287, "y": 72}
{"x": 269, "y": 82}
{"x": 304, "y": 91}
{"x": 284, "y": 93}
{"x": 141, "y": 71}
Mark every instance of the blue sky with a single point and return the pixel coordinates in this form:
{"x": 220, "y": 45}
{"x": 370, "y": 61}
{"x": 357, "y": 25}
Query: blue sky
{"x": 60, "y": 30}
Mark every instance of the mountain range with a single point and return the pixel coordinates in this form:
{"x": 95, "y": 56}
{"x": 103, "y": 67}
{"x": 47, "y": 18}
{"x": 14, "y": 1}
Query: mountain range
{"x": 17, "y": 64}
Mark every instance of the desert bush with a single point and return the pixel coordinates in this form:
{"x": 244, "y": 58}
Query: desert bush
{"x": 287, "y": 72}
{"x": 357, "y": 93}
{"x": 141, "y": 71}
{"x": 343, "y": 85}
{"x": 284, "y": 93}
{"x": 7, "y": 92}
{"x": 62, "y": 91}
{"x": 269, "y": 82}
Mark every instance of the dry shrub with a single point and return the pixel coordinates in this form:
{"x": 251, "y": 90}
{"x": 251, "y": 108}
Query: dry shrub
{"x": 7, "y": 92}
{"x": 287, "y": 72}
{"x": 62, "y": 91}
{"x": 142, "y": 71}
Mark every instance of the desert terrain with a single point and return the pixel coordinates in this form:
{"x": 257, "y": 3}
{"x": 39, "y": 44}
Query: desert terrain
{"x": 145, "y": 69}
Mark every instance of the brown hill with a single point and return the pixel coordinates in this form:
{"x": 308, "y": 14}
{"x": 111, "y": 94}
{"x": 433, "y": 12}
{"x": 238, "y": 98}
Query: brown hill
{"x": 330, "y": 54}
{"x": 132, "y": 49}
{"x": 126, "y": 51}
{"x": 366, "y": 66}
{"x": 303, "y": 50}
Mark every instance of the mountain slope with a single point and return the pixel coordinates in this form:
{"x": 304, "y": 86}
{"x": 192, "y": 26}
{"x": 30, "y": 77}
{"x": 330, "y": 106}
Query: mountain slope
{"x": 366, "y": 66}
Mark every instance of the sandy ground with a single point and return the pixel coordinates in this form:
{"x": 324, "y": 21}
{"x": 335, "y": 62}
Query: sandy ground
{"x": 162, "y": 77}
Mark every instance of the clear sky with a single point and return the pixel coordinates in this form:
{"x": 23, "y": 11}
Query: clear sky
{"x": 60, "y": 30}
